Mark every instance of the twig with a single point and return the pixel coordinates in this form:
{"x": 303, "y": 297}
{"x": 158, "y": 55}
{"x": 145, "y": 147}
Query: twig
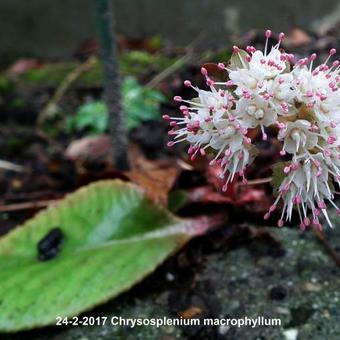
{"x": 168, "y": 71}
{"x": 49, "y": 108}
{"x": 27, "y": 205}
{"x": 11, "y": 166}
{"x": 176, "y": 65}
{"x": 334, "y": 255}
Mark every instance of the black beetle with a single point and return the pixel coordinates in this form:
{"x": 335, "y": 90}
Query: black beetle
{"x": 50, "y": 245}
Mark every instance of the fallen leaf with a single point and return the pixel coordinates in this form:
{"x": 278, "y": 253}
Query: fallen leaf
{"x": 90, "y": 149}
{"x": 206, "y": 194}
{"x": 156, "y": 183}
{"x": 215, "y": 72}
{"x": 191, "y": 312}
{"x": 297, "y": 37}
{"x": 237, "y": 193}
{"x": 23, "y": 65}
{"x": 138, "y": 160}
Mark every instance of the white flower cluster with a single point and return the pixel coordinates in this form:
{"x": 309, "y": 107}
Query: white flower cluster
{"x": 263, "y": 90}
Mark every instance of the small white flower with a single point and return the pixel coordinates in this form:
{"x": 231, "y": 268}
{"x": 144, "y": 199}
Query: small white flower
{"x": 298, "y": 136}
{"x": 283, "y": 94}
{"x": 256, "y": 112}
{"x": 229, "y": 137}
{"x": 247, "y": 82}
{"x": 318, "y": 90}
{"x": 236, "y": 163}
{"x": 267, "y": 66}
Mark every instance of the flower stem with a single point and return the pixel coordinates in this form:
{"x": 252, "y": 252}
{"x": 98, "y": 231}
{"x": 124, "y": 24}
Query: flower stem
{"x": 112, "y": 94}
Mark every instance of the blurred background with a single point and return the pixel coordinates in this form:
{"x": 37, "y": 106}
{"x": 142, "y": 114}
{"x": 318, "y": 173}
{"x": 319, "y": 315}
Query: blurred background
{"x": 52, "y": 29}
{"x": 54, "y": 139}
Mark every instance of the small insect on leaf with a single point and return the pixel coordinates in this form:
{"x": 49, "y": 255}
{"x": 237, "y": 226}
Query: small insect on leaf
{"x": 50, "y": 245}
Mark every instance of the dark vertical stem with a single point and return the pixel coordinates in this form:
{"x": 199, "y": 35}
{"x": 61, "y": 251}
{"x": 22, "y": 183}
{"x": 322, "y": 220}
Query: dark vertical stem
{"x": 112, "y": 94}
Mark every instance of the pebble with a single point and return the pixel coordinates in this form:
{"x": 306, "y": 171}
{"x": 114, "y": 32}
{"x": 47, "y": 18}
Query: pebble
{"x": 169, "y": 277}
{"x": 291, "y": 334}
{"x": 223, "y": 329}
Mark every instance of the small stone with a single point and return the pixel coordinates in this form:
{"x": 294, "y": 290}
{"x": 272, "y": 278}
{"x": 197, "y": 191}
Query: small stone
{"x": 278, "y": 293}
{"x": 291, "y": 334}
{"x": 312, "y": 287}
{"x": 326, "y": 314}
{"x": 169, "y": 277}
{"x": 282, "y": 310}
{"x": 223, "y": 329}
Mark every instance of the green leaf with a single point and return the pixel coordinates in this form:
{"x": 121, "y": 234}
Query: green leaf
{"x": 114, "y": 237}
{"x": 278, "y": 175}
{"x": 91, "y": 116}
{"x": 177, "y": 200}
{"x": 139, "y": 104}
